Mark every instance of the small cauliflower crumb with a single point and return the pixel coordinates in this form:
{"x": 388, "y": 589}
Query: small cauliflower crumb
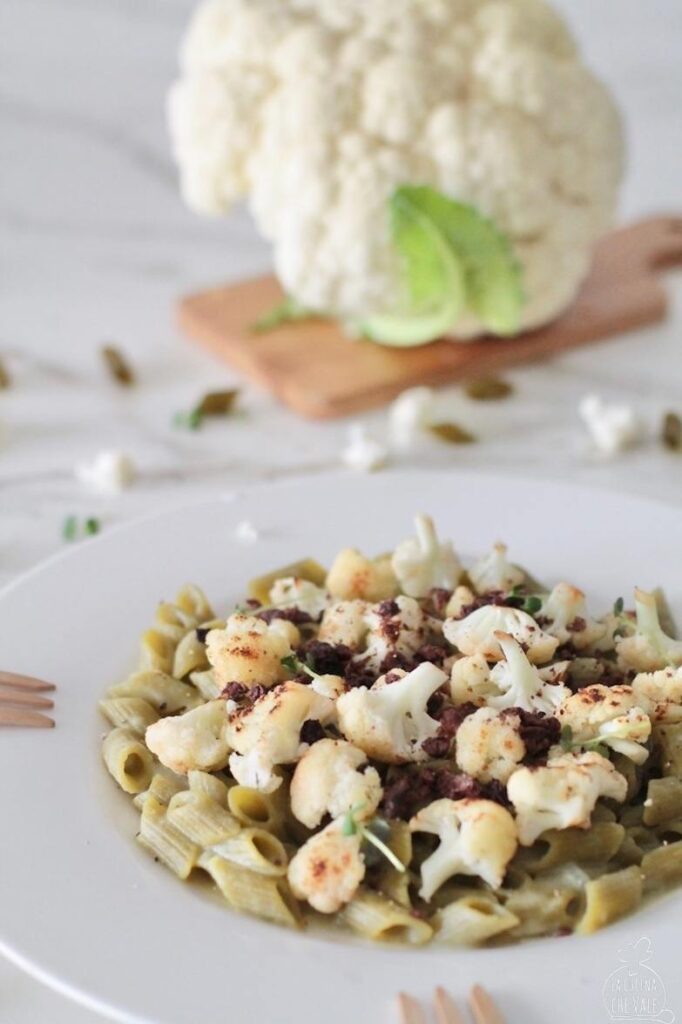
{"x": 613, "y": 428}
{"x": 246, "y": 533}
{"x": 408, "y": 416}
{"x": 109, "y": 473}
{"x": 363, "y": 452}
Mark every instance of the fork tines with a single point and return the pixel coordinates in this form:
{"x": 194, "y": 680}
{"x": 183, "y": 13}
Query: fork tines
{"x": 20, "y": 698}
{"x": 481, "y": 1004}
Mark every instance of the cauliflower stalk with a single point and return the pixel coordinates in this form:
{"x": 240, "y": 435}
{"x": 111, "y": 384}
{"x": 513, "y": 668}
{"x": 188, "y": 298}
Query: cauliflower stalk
{"x": 423, "y": 562}
{"x": 562, "y": 793}
{"x": 477, "y": 837}
{"x": 649, "y": 648}
{"x": 318, "y": 112}
{"x": 390, "y": 721}
{"x": 269, "y": 733}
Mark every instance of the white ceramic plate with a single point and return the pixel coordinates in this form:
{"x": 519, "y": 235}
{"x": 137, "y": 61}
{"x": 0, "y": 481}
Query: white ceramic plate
{"x": 88, "y": 912}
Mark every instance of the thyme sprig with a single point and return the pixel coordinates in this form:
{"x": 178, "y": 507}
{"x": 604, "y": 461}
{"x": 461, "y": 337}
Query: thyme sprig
{"x": 351, "y": 827}
{"x": 569, "y": 744}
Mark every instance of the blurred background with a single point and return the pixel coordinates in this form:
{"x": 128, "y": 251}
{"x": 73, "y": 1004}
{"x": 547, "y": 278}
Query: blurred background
{"x": 96, "y": 246}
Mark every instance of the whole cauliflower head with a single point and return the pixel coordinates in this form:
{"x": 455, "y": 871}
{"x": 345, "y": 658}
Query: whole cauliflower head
{"x": 562, "y": 793}
{"x": 328, "y": 780}
{"x": 317, "y": 110}
{"x": 390, "y": 721}
{"x": 248, "y": 651}
{"x": 328, "y": 869}
{"x": 477, "y": 837}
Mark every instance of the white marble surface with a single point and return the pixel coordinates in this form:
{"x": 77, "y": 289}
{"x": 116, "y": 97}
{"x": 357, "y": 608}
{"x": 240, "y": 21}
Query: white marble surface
{"x": 95, "y": 246}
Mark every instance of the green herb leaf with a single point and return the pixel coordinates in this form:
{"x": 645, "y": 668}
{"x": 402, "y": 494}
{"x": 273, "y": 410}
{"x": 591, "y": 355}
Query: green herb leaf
{"x": 288, "y": 311}
{"x": 118, "y": 366}
{"x": 488, "y": 389}
{"x": 532, "y": 605}
{"x": 188, "y": 420}
{"x": 371, "y": 837}
{"x": 91, "y": 527}
{"x": 566, "y": 739}
{"x": 70, "y": 528}
{"x": 349, "y": 826}
{"x": 432, "y": 279}
{"x": 451, "y": 433}
{"x": 295, "y": 665}
{"x": 618, "y": 606}
{"x": 217, "y": 403}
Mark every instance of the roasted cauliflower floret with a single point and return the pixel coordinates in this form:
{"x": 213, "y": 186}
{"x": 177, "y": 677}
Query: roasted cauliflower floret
{"x": 660, "y": 694}
{"x": 522, "y": 685}
{"x": 608, "y": 715}
{"x": 390, "y": 721}
{"x": 195, "y": 740}
{"x": 344, "y": 623}
{"x": 423, "y": 562}
{"x": 476, "y": 634}
{"x": 328, "y": 780}
{"x": 649, "y": 648}
{"x": 295, "y": 592}
{"x": 399, "y": 627}
{"x": 460, "y": 599}
{"x": 470, "y": 680}
{"x": 477, "y": 837}
{"x": 562, "y": 793}
{"x": 489, "y": 745}
{"x": 269, "y": 733}
{"x": 328, "y": 869}
{"x": 352, "y": 576}
{"x": 495, "y": 572}
{"x": 565, "y": 610}
{"x": 247, "y": 651}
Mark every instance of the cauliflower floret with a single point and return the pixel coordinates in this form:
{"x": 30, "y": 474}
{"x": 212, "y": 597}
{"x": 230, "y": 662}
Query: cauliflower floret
{"x": 294, "y": 592}
{"x": 395, "y": 627}
{"x": 470, "y": 680}
{"x": 247, "y": 651}
{"x": 389, "y": 721}
{"x": 316, "y": 111}
{"x": 328, "y": 686}
{"x": 352, "y": 576}
{"x": 195, "y": 740}
{"x": 477, "y": 633}
{"x": 269, "y": 733}
{"x": 409, "y": 414}
{"x": 566, "y": 611}
{"x": 649, "y": 648}
{"x": 423, "y": 562}
{"x": 344, "y": 623}
{"x": 461, "y": 597}
{"x": 477, "y": 837}
{"x": 562, "y": 793}
{"x": 328, "y": 869}
{"x": 495, "y": 572}
{"x": 613, "y": 427}
{"x": 660, "y": 694}
{"x": 327, "y": 780}
{"x": 520, "y": 684}
{"x": 608, "y": 715}
{"x": 489, "y": 745}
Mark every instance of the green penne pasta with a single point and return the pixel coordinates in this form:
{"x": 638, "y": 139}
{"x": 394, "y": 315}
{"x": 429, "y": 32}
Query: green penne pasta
{"x": 668, "y": 739}
{"x": 156, "y": 652}
{"x": 201, "y": 819}
{"x": 193, "y": 602}
{"x": 163, "y": 788}
{"x": 663, "y": 800}
{"x": 209, "y": 785}
{"x": 159, "y": 836}
{"x": 472, "y": 920}
{"x": 165, "y": 694}
{"x": 376, "y": 917}
{"x": 132, "y": 713}
{"x": 610, "y": 897}
{"x": 128, "y": 760}
{"x": 190, "y": 656}
{"x": 253, "y": 893}
{"x": 255, "y": 849}
{"x": 662, "y": 868}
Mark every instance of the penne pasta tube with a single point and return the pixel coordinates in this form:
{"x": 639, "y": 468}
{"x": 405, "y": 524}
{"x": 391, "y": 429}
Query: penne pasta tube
{"x": 166, "y": 842}
{"x": 255, "y": 849}
{"x": 610, "y": 897}
{"x": 474, "y": 919}
{"x": 663, "y": 800}
{"x": 128, "y": 760}
{"x": 209, "y": 785}
{"x": 252, "y": 893}
{"x": 167, "y": 695}
{"x": 129, "y": 713}
{"x": 376, "y": 917}
{"x": 201, "y": 819}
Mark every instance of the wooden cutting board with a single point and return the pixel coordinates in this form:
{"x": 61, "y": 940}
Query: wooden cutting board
{"x": 319, "y": 373}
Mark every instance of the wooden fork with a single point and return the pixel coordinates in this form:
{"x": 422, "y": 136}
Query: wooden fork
{"x": 20, "y": 697}
{"x": 481, "y": 1005}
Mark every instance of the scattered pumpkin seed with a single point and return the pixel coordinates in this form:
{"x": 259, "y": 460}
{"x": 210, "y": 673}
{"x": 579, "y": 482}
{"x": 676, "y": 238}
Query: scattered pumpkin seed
{"x": 217, "y": 403}
{"x": 488, "y": 389}
{"x": 671, "y": 432}
{"x": 118, "y": 366}
{"x": 451, "y": 433}
{"x": 5, "y": 379}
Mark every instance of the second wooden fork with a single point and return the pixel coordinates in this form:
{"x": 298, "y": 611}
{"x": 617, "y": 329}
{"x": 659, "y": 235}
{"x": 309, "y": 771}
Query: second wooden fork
{"x": 22, "y": 703}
